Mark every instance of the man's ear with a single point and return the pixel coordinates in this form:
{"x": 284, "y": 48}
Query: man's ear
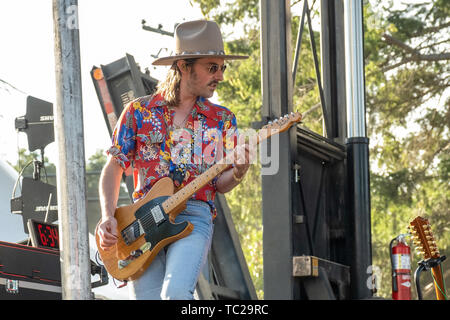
{"x": 181, "y": 64}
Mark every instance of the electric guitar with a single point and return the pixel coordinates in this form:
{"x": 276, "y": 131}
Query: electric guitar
{"x": 425, "y": 242}
{"x": 147, "y": 226}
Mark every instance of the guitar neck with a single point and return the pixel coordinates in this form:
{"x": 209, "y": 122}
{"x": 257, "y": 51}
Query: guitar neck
{"x": 185, "y": 193}
{"x": 438, "y": 282}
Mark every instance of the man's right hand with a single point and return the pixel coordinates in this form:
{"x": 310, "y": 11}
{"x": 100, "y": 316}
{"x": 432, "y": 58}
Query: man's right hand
{"x": 107, "y": 232}
{"x": 109, "y": 187}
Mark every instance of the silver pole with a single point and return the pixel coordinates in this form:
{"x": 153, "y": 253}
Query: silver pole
{"x": 354, "y": 65}
{"x": 71, "y": 182}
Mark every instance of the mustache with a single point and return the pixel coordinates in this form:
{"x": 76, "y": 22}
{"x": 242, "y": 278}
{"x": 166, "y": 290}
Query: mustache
{"x": 213, "y": 82}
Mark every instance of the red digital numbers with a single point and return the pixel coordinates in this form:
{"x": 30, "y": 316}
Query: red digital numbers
{"x": 42, "y": 235}
{"x": 55, "y": 236}
{"x": 48, "y": 235}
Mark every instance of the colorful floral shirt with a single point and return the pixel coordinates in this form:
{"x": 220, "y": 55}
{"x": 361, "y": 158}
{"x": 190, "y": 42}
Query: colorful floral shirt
{"x": 146, "y": 138}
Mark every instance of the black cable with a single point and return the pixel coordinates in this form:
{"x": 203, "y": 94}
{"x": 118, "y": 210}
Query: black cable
{"x": 18, "y": 178}
{"x": 417, "y": 273}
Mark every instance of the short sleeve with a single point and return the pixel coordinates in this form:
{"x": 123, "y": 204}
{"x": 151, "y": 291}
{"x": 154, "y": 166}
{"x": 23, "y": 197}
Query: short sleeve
{"x": 124, "y": 135}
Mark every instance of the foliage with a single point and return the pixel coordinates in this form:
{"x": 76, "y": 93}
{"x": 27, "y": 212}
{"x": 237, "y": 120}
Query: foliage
{"x": 25, "y": 165}
{"x": 407, "y": 77}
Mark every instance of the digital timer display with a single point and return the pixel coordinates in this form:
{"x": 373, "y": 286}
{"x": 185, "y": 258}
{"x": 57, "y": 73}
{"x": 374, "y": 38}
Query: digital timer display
{"x": 43, "y": 235}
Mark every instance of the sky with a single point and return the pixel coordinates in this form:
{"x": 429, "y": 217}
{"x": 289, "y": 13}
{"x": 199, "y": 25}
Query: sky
{"x": 108, "y": 30}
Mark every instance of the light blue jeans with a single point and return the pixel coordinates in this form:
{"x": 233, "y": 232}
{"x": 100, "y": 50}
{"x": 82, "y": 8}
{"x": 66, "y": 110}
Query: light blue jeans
{"x": 174, "y": 272}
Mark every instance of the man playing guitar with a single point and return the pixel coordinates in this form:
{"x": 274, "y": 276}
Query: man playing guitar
{"x": 176, "y": 133}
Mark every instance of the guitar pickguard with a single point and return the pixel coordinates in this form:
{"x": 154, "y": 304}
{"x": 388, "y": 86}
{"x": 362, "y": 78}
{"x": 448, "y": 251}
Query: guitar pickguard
{"x": 152, "y": 222}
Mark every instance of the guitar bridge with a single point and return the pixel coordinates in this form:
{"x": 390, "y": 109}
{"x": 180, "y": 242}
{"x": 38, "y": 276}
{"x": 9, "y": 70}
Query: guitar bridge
{"x": 134, "y": 255}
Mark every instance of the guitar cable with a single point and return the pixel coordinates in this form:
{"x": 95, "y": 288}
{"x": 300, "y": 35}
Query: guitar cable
{"x": 444, "y": 292}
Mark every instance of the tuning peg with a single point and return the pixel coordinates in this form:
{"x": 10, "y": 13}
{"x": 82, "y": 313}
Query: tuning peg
{"x": 420, "y": 252}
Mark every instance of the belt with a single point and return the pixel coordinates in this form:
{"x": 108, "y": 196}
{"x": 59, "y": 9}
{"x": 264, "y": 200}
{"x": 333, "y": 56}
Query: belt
{"x": 199, "y": 203}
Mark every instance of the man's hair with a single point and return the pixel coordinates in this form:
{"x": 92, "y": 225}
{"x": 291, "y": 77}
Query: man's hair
{"x": 170, "y": 87}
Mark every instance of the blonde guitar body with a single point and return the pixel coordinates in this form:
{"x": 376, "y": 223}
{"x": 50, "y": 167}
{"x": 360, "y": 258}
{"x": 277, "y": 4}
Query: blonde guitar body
{"x": 127, "y": 260}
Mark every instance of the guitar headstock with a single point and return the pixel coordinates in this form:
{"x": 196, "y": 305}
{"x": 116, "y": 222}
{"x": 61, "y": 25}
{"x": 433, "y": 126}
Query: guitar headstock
{"x": 420, "y": 228}
{"x": 281, "y": 124}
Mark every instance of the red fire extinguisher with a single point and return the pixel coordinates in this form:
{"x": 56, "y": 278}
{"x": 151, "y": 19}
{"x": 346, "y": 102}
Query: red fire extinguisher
{"x": 401, "y": 268}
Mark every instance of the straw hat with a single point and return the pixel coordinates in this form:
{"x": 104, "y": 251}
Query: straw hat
{"x": 197, "y": 39}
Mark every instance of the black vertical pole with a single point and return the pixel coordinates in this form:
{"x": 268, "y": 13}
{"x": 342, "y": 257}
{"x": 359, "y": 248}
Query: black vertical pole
{"x": 276, "y": 81}
{"x": 357, "y": 152}
{"x": 359, "y": 202}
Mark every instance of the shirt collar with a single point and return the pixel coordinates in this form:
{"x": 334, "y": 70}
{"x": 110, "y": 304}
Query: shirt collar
{"x": 202, "y": 105}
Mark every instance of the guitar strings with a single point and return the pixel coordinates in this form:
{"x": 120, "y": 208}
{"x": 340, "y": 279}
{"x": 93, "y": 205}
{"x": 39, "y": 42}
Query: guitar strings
{"x": 437, "y": 285}
{"x": 147, "y": 219}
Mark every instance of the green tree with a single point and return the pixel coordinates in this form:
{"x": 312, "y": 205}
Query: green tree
{"x": 26, "y": 164}
{"x": 407, "y": 77}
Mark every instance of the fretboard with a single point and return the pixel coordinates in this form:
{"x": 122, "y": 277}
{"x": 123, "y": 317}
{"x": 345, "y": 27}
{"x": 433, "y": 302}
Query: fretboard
{"x": 185, "y": 193}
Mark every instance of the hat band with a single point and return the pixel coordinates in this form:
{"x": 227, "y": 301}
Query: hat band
{"x": 211, "y": 52}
